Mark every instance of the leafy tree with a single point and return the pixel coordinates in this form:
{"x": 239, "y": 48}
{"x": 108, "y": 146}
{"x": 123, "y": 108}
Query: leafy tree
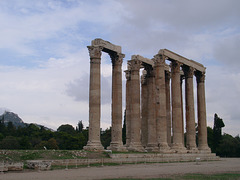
{"x": 79, "y": 127}
{"x": 106, "y": 137}
{"x": 67, "y": 128}
{"x": 9, "y": 142}
{"x": 217, "y": 131}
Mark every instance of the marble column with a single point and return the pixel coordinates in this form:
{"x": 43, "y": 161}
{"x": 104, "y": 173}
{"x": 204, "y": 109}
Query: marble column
{"x": 144, "y": 109}
{"x": 151, "y": 118}
{"x": 182, "y": 118}
{"x": 159, "y": 62}
{"x": 135, "y": 142}
{"x": 116, "y": 131}
{"x": 94, "y": 143}
{"x": 190, "y": 115}
{"x": 128, "y": 106}
{"x": 168, "y": 108}
{"x": 177, "y": 144}
{"x": 202, "y": 122}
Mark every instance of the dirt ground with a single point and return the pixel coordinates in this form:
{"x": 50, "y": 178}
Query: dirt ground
{"x": 225, "y": 165}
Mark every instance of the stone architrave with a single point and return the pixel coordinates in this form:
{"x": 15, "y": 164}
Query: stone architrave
{"x": 151, "y": 116}
{"x": 177, "y": 144}
{"x": 135, "y": 142}
{"x": 94, "y": 143}
{"x": 144, "y": 109}
{"x": 168, "y": 107}
{"x": 201, "y": 104}
{"x": 190, "y": 115}
{"x": 161, "y": 114}
{"x": 116, "y": 138}
{"x": 128, "y": 107}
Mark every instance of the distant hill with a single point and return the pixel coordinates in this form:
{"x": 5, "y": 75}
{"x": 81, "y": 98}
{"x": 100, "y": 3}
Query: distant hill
{"x": 12, "y": 117}
{"x": 7, "y": 117}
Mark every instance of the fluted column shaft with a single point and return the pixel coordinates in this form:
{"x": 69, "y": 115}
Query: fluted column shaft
{"x": 190, "y": 114}
{"x": 182, "y": 118}
{"x": 116, "y": 133}
{"x": 159, "y": 62}
{"x": 135, "y": 143}
{"x": 176, "y": 107}
{"x": 94, "y": 99}
{"x": 168, "y": 107}
{"x": 201, "y": 104}
{"x": 144, "y": 110}
{"x": 152, "y": 133}
{"x": 128, "y": 107}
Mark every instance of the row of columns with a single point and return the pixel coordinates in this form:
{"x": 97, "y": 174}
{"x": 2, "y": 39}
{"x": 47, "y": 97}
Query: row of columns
{"x": 155, "y": 118}
{"x": 151, "y": 128}
{"x": 94, "y": 142}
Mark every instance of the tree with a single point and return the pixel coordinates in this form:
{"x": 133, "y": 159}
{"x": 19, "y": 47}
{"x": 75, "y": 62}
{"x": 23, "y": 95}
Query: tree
{"x": 9, "y": 142}
{"x": 217, "y": 131}
{"x": 106, "y": 137}
{"x": 80, "y": 126}
{"x": 67, "y": 128}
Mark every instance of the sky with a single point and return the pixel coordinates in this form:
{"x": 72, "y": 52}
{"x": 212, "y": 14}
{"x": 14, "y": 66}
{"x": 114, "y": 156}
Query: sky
{"x": 44, "y": 61}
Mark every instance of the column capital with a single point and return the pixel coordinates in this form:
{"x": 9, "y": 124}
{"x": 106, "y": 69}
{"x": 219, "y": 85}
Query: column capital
{"x": 128, "y": 74}
{"x": 159, "y": 60}
{"x": 167, "y": 76}
{"x": 143, "y": 77}
{"x": 200, "y": 76}
{"x": 117, "y": 58}
{"x": 150, "y": 71}
{"x": 188, "y": 71}
{"x": 95, "y": 52}
{"x": 175, "y": 67}
{"x": 135, "y": 64}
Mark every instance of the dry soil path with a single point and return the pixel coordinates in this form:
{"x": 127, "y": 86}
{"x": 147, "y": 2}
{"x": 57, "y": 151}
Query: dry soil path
{"x": 131, "y": 171}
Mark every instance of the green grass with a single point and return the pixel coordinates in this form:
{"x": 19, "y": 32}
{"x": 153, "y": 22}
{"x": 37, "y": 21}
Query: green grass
{"x": 225, "y": 176}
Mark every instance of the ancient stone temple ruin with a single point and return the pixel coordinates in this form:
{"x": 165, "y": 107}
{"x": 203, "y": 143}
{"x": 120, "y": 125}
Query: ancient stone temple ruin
{"x": 154, "y": 102}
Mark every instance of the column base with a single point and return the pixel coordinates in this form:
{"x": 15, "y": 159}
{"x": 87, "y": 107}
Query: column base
{"x": 152, "y": 147}
{"x": 192, "y": 150}
{"x": 117, "y": 146}
{"x": 178, "y": 148}
{"x": 93, "y": 146}
{"x": 204, "y": 149}
{"x": 164, "y": 148}
{"x": 137, "y": 147}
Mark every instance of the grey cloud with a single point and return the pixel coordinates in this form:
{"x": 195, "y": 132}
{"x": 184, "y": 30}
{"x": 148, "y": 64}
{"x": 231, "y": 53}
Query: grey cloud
{"x": 79, "y": 89}
{"x": 227, "y": 51}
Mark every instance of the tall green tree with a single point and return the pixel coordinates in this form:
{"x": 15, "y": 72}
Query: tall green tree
{"x": 217, "y": 131}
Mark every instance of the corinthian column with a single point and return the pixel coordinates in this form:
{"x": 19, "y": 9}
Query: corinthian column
{"x": 159, "y": 62}
{"x": 94, "y": 143}
{"x": 190, "y": 115}
{"x": 144, "y": 109}
{"x": 128, "y": 107}
{"x": 151, "y": 118}
{"x": 202, "y": 122}
{"x": 168, "y": 107}
{"x": 176, "y": 108}
{"x": 116, "y": 133}
{"x": 135, "y": 143}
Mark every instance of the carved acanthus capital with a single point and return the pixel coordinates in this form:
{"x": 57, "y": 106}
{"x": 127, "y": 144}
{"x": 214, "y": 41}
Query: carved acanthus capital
{"x": 188, "y": 71}
{"x": 159, "y": 60}
{"x": 95, "y": 52}
{"x": 167, "y": 76}
{"x": 117, "y": 58}
{"x": 200, "y": 76}
{"x": 175, "y": 67}
{"x": 135, "y": 64}
{"x": 150, "y": 71}
{"x": 128, "y": 74}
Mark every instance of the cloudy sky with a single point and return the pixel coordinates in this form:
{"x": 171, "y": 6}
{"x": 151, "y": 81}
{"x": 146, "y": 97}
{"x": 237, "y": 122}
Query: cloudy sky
{"x": 44, "y": 62}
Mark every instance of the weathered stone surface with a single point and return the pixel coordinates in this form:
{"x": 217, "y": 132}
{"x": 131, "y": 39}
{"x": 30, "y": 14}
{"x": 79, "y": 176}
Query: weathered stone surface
{"x": 106, "y": 45}
{"x": 39, "y": 165}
